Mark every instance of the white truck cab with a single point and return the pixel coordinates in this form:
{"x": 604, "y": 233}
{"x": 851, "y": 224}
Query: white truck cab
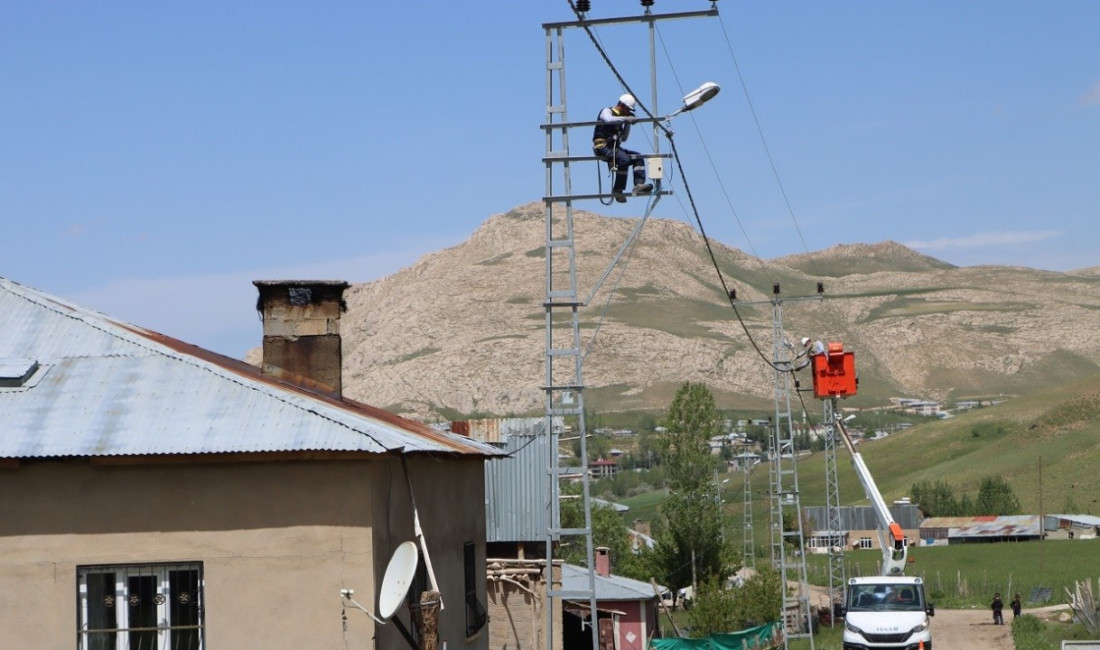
{"x": 887, "y": 613}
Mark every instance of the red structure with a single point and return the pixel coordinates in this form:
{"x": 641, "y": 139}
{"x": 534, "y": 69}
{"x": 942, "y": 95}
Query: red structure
{"x": 835, "y": 372}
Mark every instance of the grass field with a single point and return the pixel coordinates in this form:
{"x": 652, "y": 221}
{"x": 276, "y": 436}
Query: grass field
{"x": 967, "y": 575}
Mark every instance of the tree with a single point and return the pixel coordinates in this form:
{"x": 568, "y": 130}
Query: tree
{"x": 608, "y": 529}
{"x": 716, "y": 609}
{"x": 759, "y": 599}
{"x": 935, "y": 499}
{"x": 995, "y": 497}
{"x": 690, "y": 547}
{"x": 691, "y": 422}
{"x": 967, "y": 508}
{"x": 713, "y": 609}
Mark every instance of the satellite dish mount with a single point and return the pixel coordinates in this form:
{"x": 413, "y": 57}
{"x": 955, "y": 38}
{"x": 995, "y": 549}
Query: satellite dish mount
{"x": 395, "y": 586}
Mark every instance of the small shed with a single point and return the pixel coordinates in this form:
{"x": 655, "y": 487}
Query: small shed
{"x": 626, "y": 608}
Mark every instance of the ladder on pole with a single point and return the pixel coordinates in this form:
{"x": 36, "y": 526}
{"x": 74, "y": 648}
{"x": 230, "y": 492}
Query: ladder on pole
{"x": 785, "y": 504}
{"x": 564, "y": 377}
{"x": 564, "y": 380}
{"x": 748, "y": 540}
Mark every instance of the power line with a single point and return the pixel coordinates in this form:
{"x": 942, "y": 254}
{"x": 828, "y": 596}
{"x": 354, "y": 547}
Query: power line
{"x": 763, "y": 140}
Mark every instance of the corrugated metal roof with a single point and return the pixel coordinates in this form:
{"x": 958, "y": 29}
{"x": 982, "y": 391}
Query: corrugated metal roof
{"x": 863, "y": 517}
{"x": 575, "y": 578}
{"x": 1080, "y": 520}
{"x": 1002, "y": 526}
{"x": 108, "y": 388}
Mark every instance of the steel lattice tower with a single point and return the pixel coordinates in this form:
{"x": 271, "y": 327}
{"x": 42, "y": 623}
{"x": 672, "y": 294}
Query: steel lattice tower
{"x": 835, "y": 526}
{"x": 785, "y": 503}
{"x": 564, "y": 377}
{"x": 748, "y": 540}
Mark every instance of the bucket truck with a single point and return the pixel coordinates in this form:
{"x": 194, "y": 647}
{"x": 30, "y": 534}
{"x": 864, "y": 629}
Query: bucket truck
{"x": 890, "y": 611}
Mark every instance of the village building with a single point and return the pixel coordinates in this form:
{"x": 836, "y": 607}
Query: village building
{"x": 158, "y": 495}
{"x": 603, "y": 468}
{"x": 969, "y": 530}
{"x": 1071, "y": 526}
{"x": 517, "y": 490}
{"x": 628, "y": 608}
{"x": 859, "y": 527}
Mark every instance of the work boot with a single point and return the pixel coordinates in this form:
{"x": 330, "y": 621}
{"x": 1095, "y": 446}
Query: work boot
{"x": 618, "y": 196}
{"x": 643, "y": 188}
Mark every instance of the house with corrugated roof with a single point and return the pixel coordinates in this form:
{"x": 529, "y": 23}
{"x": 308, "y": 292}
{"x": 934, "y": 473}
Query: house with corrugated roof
{"x": 517, "y": 504}
{"x": 158, "y": 495}
{"x": 1071, "y": 526}
{"x": 981, "y": 529}
{"x": 859, "y": 526}
{"x": 628, "y": 608}
{"x": 518, "y": 492}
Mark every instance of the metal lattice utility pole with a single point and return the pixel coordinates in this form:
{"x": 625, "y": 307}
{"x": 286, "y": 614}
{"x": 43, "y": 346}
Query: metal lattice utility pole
{"x": 748, "y": 541}
{"x": 788, "y": 546}
{"x": 835, "y": 526}
{"x": 564, "y": 377}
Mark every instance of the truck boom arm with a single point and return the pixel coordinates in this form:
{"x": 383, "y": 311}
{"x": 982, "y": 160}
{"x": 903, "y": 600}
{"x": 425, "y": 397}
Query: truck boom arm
{"x": 890, "y": 535}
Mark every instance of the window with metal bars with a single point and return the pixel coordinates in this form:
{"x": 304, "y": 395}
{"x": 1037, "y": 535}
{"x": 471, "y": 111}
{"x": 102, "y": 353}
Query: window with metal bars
{"x": 140, "y": 607}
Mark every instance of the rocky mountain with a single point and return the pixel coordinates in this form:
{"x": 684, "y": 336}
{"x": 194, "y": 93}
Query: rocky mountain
{"x": 462, "y": 331}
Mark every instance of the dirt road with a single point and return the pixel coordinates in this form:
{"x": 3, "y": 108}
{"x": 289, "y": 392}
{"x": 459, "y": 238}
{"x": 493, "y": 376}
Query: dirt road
{"x": 970, "y": 629}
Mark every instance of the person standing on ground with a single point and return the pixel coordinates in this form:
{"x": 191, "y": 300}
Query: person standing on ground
{"x": 998, "y": 607}
{"x": 612, "y": 129}
{"x": 1015, "y": 606}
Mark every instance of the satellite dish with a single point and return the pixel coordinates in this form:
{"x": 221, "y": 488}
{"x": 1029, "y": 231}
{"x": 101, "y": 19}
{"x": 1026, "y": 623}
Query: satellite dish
{"x": 398, "y": 579}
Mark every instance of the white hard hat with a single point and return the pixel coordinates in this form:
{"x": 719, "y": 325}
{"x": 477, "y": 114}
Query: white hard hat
{"x": 628, "y": 101}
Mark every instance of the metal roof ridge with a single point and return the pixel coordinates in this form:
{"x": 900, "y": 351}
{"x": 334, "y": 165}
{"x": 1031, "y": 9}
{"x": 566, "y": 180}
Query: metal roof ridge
{"x": 346, "y": 413}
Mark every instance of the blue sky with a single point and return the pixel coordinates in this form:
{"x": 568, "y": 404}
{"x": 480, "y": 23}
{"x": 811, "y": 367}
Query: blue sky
{"x": 158, "y": 157}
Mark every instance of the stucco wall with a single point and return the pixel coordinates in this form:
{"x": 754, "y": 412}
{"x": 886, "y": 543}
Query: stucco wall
{"x": 277, "y": 540}
{"x": 450, "y": 497}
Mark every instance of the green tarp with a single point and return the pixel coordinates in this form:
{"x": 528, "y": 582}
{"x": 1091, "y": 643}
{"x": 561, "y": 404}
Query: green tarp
{"x": 754, "y": 637}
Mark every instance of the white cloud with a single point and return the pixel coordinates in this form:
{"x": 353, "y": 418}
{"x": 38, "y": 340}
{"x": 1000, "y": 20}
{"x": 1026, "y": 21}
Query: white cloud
{"x": 977, "y": 240}
{"x": 1092, "y": 97}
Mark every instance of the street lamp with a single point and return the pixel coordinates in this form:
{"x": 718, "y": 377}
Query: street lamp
{"x": 697, "y": 98}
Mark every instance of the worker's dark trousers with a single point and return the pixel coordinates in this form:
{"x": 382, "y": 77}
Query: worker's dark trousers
{"x": 621, "y": 160}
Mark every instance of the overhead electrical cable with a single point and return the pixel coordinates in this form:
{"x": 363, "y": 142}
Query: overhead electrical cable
{"x": 760, "y": 131}
{"x": 710, "y": 158}
{"x": 683, "y": 179}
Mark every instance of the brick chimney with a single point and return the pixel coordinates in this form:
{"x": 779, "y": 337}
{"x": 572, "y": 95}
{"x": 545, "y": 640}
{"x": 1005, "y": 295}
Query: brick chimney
{"x": 302, "y": 331}
{"x": 603, "y": 561}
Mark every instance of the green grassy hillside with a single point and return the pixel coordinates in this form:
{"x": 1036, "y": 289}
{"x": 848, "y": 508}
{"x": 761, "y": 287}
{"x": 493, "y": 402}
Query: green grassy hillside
{"x": 1045, "y": 445}
{"x": 1048, "y": 440}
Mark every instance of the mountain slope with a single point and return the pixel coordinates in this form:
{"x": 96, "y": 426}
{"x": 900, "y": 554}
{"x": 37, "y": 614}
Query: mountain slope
{"x": 850, "y": 259}
{"x": 462, "y": 331}
{"x": 1046, "y": 445}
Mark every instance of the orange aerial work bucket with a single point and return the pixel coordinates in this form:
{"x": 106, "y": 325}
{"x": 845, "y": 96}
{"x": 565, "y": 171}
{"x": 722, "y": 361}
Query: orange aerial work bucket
{"x": 835, "y": 372}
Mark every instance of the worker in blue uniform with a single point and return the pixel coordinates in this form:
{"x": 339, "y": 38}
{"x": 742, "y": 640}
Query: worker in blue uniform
{"x": 612, "y": 129}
